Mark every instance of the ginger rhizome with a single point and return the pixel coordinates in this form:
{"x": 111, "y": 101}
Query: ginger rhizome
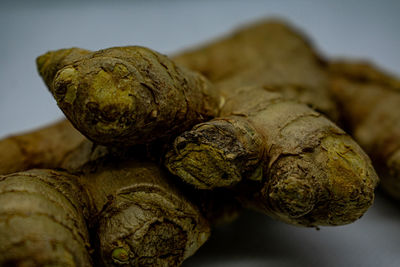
{"x": 369, "y": 100}
{"x": 304, "y": 169}
{"x": 136, "y": 213}
{"x": 142, "y": 218}
{"x": 267, "y": 53}
{"x": 43, "y": 148}
{"x": 127, "y": 95}
{"x": 295, "y": 164}
{"x": 257, "y": 129}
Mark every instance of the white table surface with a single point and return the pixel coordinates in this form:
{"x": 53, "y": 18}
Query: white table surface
{"x": 367, "y": 29}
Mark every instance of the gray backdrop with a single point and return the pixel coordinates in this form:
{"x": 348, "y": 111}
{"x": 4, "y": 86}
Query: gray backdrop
{"x": 367, "y": 29}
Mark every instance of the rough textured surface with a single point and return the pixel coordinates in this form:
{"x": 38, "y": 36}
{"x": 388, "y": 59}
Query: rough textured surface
{"x": 60, "y": 145}
{"x": 136, "y": 214}
{"x": 299, "y": 166}
{"x": 127, "y": 95}
{"x": 42, "y": 220}
{"x": 370, "y": 102}
{"x": 140, "y": 217}
{"x": 268, "y": 53}
{"x": 147, "y": 217}
{"x": 293, "y": 156}
{"x": 42, "y": 148}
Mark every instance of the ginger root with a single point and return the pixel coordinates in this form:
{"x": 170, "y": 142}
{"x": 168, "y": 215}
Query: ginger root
{"x": 127, "y": 95}
{"x": 295, "y": 164}
{"x": 304, "y": 169}
{"x": 136, "y": 213}
{"x": 369, "y": 100}
{"x": 142, "y": 218}
{"x": 266, "y": 53}
{"x": 267, "y": 141}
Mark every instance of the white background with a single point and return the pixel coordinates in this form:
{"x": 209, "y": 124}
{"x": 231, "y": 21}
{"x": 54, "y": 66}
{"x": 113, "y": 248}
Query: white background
{"x": 366, "y": 29}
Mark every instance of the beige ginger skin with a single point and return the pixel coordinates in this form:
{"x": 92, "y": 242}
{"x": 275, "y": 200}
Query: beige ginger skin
{"x": 266, "y": 53}
{"x": 369, "y": 100}
{"x": 46, "y": 147}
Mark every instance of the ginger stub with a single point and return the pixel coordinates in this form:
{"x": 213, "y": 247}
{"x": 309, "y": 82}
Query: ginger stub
{"x": 127, "y": 95}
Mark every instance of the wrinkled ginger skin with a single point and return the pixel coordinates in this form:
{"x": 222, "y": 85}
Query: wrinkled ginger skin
{"x": 369, "y": 100}
{"x": 216, "y": 153}
{"x": 133, "y": 210}
{"x": 146, "y": 216}
{"x": 42, "y": 220}
{"x": 129, "y": 95}
{"x": 42, "y": 148}
{"x": 300, "y": 167}
{"x": 266, "y": 53}
{"x": 140, "y": 217}
{"x": 296, "y": 165}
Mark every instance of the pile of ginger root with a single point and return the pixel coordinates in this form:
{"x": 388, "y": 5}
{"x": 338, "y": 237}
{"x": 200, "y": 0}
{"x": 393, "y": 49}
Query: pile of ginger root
{"x": 155, "y": 151}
